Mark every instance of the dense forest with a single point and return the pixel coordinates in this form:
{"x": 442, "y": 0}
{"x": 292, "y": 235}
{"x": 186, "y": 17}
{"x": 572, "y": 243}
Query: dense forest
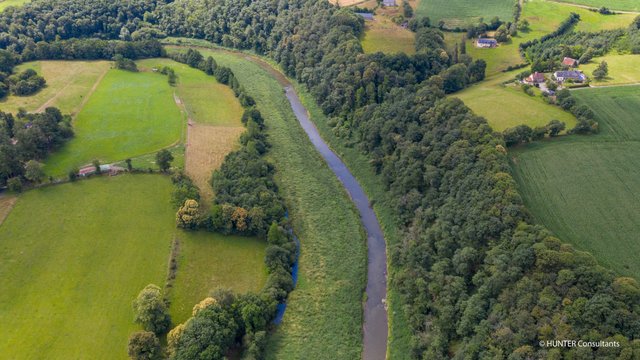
{"x": 478, "y": 279}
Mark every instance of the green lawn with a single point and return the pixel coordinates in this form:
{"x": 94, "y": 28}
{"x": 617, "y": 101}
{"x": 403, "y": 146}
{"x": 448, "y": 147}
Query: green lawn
{"x": 623, "y": 69}
{"x": 384, "y": 35}
{"x": 463, "y": 12}
{"x": 324, "y": 316}
{"x": 209, "y": 261}
{"x": 585, "y": 189}
{"x": 628, "y": 5}
{"x": 73, "y": 257}
{"x": 506, "y": 106}
{"x": 128, "y": 115}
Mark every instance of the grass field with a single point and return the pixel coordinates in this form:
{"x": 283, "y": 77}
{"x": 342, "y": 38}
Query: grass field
{"x": 506, "y": 106}
{"x": 129, "y": 114}
{"x": 625, "y": 5}
{"x": 209, "y": 261}
{"x": 72, "y": 259}
{"x": 585, "y": 189}
{"x": 463, "y": 12}
{"x": 324, "y": 315}
{"x": 623, "y": 69}
{"x": 74, "y": 256}
{"x": 6, "y": 3}
{"x": 69, "y": 84}
{"x": 384, "y": 35}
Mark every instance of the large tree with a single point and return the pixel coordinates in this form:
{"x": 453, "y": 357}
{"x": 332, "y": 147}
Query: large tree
{"x": 151, "y": 310}
{"x": 144, "y": 345}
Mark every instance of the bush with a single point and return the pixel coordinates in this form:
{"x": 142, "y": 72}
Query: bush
{"x": 14, "y": 185}
{"x": 144, "y": 345}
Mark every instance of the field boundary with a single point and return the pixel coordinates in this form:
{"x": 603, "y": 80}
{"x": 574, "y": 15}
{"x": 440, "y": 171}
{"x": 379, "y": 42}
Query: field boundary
{"x": 591, "y": 7}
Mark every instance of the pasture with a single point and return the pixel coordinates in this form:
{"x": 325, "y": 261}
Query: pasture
{"x": 6, "y": 3}
{"x": 128, "y": 115}
{"x": 585, "y": 189}
{"x": 73, "y": 257}
{"x": 208, "y": 261}
{"x": 333, "y": 252}
{"x": 460, "y": 13}
{"x": 506, "y": 106}
{"x": 623, "y": 69}
{"x": 69, "y": 85}
{"x": 625, "y": 5}
{"x": 385, "y": 36}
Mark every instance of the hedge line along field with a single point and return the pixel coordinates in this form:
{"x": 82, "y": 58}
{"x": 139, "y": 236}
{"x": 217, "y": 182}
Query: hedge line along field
{"x": 463, "y": 12}
{"x": 69, "y": 85}
{"x": 625, "y": 5}
{"x": 129, "y": 114}
{"x": 585, "y": 189}
{"x": 324, "y": 314}
{"x": 208, "y": 261}
{"x": 72, "y": 259}
{"x": 74, "y": 256}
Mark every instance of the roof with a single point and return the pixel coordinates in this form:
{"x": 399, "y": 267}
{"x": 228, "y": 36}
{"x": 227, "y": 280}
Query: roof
{"x": 366, "y": 16}
{"x": 572, "y": 74}
{"x": 569, "y": 61}
{"x": 536, "y": 77}
{"x": 487, "y": 41}
{"x": 389, "y": 2}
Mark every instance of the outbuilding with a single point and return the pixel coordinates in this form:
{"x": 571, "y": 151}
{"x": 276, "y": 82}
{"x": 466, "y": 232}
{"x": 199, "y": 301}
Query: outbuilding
{"x": 486, "y": 43}
{"x": 573, "y": 75}
{"x": 535, "y": 78}
{"x": 366, "y": 16}
{"x": 389, "y": 2}
{"x": 567, "y": 61}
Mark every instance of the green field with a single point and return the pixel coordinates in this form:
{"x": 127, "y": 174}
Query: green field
{"x": 623, "y": 69}
{"x": 625, "y": 5}
{"x": 6, "y": 3}
{"x": 206, "y": 100}
{"x": 69, "y": 84}
{"x": 463, "y": 12}
{"x": 385, "y": 36}
{"x": 209, "y": 261}
{"x": 324, "y": 315}
{"x": 74, "y": 256}
{"x": 506, "y": 106}
{"x": 129, "y": 114}
{"x": 585, "y": 189}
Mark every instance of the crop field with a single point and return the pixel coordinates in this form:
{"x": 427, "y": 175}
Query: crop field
{"x": 463, "y": 12}
{"x": 208, "y": 261}
{"x": 129, "y": 114}
{"x": 625, "y": 5}
{"x": 73, "y": 257}
{"x": 333, "y": 252}
{"x": 69, "y": 85}
{"x": 385, "y": 36}
{"x": 515, "y": 106}
{"x": 623, "y": 69}
{"x": 585, "y": 189}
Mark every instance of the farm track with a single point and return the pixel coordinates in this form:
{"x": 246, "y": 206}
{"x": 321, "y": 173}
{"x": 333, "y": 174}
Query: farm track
{"x": 591, "y": 7}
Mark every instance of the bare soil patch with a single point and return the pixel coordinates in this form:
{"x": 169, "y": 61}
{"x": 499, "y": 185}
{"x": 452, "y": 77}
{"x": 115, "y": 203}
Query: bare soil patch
{"x": 6, "y": 204}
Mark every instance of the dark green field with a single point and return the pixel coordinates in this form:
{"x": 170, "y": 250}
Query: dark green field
{"x": 586, "y": 189}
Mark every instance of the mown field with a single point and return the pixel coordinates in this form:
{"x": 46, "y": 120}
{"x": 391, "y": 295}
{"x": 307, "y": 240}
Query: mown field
{"x": 74, "y": 256}
{"x": 208, "y": 261}
{"x": 623, "y": 69}
{"x": 6, "y": 3}
{"x": 462, "y": 12}
{"x": 324, "y": 315}
{"x": 585, "y": 189}
{"x": 69, "y": 85}
{"x": 385, "y": 36}
{"x": 626, "y": 5}
{"x": 506, "y": 106}
{"x": 128, "y": 115}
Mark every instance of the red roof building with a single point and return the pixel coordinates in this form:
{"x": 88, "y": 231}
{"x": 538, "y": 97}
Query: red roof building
{"x": 570, "y": 62}
{"x": 535, "y": 78}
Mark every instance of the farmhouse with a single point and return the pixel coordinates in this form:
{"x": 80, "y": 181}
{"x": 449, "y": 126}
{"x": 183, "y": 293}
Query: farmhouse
{"x": 535, "y": 78}
{"x": 486, "y": 43}
{"x": 366, "y": 16}
{"x": 389, "y": 2}
{"x": 567, "y": 61}
{"x": 573, "y": 75}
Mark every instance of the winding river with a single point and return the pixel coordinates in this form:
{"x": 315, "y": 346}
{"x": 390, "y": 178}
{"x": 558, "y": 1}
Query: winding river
{"x": 375, "y": 326}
